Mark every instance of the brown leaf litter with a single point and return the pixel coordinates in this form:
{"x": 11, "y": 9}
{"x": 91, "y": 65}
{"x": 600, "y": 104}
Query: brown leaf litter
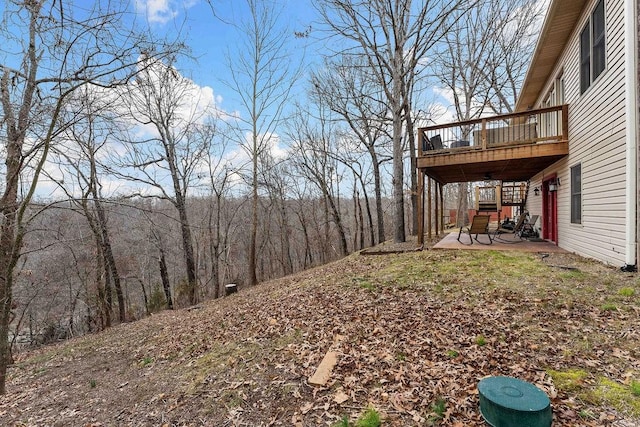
{"x": 406, "y": 329}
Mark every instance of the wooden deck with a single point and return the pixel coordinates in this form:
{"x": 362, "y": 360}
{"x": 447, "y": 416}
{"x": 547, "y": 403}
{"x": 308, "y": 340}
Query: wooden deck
{"x": 508, "y": 147}
{"x": 506, "y": 242}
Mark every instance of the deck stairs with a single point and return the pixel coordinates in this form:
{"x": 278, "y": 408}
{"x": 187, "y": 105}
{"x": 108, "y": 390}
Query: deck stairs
{"x": 493, "y": 198}
{"x": 515, "y": 194}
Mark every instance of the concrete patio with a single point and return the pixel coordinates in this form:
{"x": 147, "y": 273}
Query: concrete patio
{"x": 505, "y": 242}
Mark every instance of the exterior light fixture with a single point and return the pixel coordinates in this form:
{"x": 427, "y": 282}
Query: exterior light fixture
{"x": 536, "y": 191}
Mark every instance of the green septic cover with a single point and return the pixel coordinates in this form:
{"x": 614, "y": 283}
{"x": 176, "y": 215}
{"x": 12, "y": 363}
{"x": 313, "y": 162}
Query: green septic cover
{"x": 510, "y": 402}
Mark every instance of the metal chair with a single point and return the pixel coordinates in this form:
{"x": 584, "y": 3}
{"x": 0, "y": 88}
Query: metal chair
{"x": 479, "y": 225}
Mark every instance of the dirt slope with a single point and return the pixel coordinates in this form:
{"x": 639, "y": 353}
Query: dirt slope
{"x": 409, "y": 330}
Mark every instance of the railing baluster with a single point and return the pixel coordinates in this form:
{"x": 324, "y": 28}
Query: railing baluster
{"x": 483, "y": 134}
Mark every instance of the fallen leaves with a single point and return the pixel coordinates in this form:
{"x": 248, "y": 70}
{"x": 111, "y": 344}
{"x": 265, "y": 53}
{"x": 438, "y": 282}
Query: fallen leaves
{"x": 402, "y": 331}
{"x": 340, "y": 397}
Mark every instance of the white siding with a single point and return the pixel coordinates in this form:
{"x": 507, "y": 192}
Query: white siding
{"x": 597, "y": 141}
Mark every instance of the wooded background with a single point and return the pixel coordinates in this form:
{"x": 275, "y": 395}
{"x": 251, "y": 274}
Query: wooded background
{"x": 124, "y": 191}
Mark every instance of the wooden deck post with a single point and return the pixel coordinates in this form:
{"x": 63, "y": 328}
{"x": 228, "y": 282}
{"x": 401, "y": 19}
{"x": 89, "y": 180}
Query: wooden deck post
{"x": 420, "y": 203}
{"x": 442, "y": 205}
{"x": 483, "y": 134}
{"x": 429, "y": 206}
{"x": 499, "y": 202}
{"x": 437, "y": 210}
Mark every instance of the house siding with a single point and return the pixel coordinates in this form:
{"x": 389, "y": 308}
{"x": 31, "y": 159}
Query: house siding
{"x": 597, "y": 141}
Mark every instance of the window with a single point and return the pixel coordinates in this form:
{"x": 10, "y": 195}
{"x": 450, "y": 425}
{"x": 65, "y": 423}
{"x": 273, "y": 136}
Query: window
{"x": 597, "y": 40}
{"x": 576, "y": 194}
{"x": 593, "y": 48}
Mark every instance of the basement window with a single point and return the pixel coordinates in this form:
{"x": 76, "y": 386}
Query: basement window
{"x": 576, "y": 194}
{"x": 593, "y": 59}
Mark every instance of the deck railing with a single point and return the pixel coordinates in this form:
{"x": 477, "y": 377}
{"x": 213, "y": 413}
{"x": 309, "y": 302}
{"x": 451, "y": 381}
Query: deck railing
{"x": 529, "y": 127}
{"x": 514, "y": 193}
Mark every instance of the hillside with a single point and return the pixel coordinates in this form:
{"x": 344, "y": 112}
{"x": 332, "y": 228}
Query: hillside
{"x": 410, "y": 330}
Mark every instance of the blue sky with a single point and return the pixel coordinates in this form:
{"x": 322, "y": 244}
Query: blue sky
{"x": 211, "y": 35}
{"x": 206, "y": 26}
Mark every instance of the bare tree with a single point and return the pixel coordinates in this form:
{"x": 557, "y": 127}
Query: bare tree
{"x": 276, "y": 178}
{"x": 516, "y": 26}
{"x": 218, "y": 225}
{"x": 393, "y": 36}
{"x": 482, "y": 61}
{"x": 82, "y": 143}
{"x": 313, "y": 145}
{"x": 169, "y": 160}
{"x": 358, "y": 166}
{"x": 61, "y": 51}
{"x": 263, "y": 73}
{"x": 349, "y": 89}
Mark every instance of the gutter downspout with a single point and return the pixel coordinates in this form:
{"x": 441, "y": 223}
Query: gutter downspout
{"x": 631, "y": 133}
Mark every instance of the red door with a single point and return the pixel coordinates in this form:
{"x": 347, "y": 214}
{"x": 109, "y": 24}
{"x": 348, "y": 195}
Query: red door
{"x": 549, "y": 212}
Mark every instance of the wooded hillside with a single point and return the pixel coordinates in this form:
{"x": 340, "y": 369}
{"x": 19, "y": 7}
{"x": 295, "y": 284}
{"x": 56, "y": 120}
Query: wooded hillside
{"x": 413, "y": 334}
{"x": 62, "y": 290}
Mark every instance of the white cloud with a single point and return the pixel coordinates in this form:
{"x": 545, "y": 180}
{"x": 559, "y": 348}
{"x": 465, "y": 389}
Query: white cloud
{"x": 274, "y": 147}
{"x": 269, "y": 144}
{"x": 162, "y": 11}
{"x": 442, "y": 110}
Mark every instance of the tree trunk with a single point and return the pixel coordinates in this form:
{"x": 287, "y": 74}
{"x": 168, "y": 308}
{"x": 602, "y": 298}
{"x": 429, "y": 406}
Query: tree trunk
{"x": 110, "y": 263}
{"x": 361, "y": 220}
{"x": 356, "y": 227}
{"x": 398, "y": 182}
{"x": 102, "y": 287}
{"x": 397, "y": 107}
{"x": 145, "y": 299}
{"x": 327, "y": 235}
{"x": 344, "y": 249}
{"x": 462, "y": 214}
{"x": 187, "y": 244}
{"x": 285, "y": 242}
{"x": 367, "y": 205}
{"x": 414, "y": 170}
{"x": 189, "y": 257}
{"x": 185, "y": 228}
{"x": 6, "y": 284}
{"x": 164, "y": 277}
{"x": 378, "y": 193}
{"x": 308, "y": 254}
{"x": 103, "y": 273}
{"x": 214, "y": 245}
{"x": 253, "y": 279}
{"x": 10, "y": 227}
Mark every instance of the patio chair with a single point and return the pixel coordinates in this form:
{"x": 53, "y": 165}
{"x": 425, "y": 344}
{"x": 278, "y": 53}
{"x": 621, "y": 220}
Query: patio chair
{"x": 433, "y": 143}
{"x": 479, "y": 225}
{"x": 436, "y": 142}
{"x": 515, "y": 230}
{"x": 528, "y": 230}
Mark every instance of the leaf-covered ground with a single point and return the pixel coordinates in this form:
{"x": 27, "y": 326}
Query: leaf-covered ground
{"x": 410, "y": 330}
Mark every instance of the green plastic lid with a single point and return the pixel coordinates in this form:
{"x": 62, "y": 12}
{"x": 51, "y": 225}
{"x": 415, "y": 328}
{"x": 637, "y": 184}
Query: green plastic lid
{"x": 510, "y": 402}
